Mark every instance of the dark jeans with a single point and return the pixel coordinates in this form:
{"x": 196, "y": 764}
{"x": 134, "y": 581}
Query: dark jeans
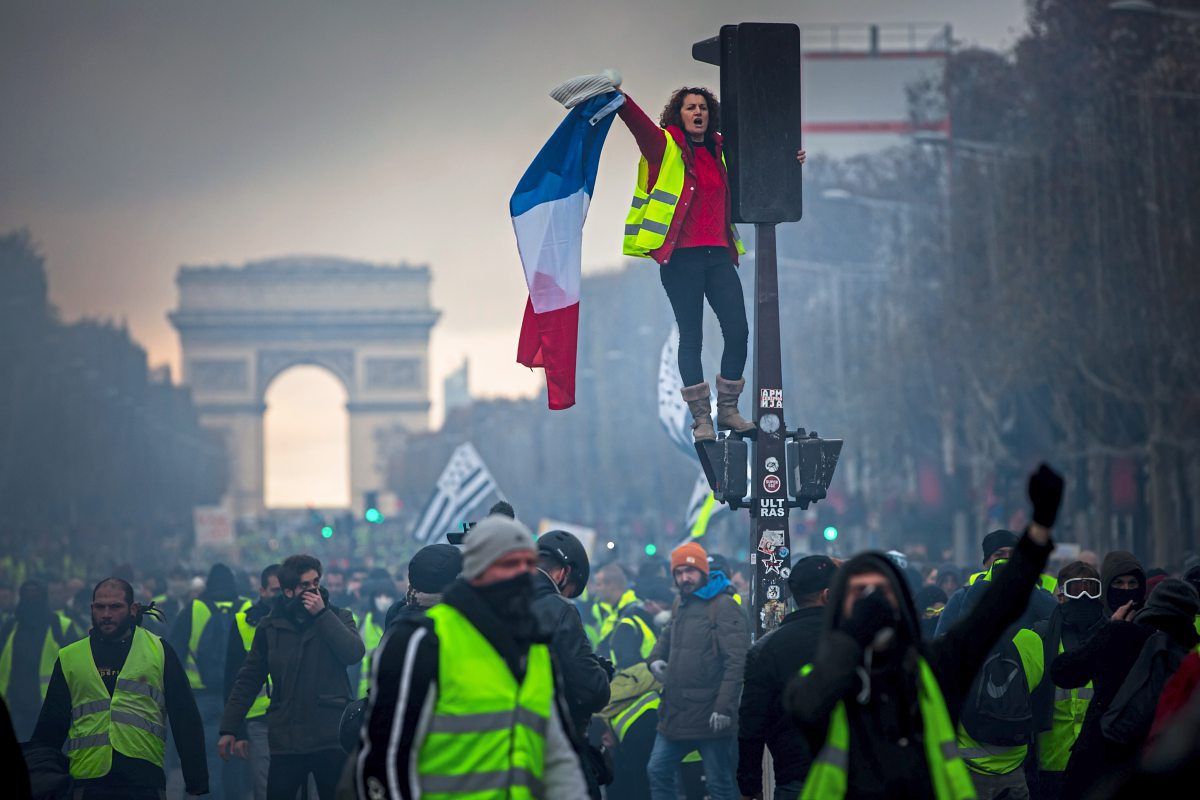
{"x": 692, "y": 274}
{"x": 290, "y": 772}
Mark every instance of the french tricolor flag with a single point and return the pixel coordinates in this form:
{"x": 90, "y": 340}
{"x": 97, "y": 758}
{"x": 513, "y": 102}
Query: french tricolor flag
{"x": 548, "y": 208}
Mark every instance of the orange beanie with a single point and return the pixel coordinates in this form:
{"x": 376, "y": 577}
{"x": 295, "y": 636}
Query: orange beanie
{"x": 689, "y": 554}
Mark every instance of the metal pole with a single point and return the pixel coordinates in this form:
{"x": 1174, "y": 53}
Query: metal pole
{"x": 770, "y": 543}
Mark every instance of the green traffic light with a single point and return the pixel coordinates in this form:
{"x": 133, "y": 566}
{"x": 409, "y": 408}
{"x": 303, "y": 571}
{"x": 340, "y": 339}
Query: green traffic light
{"x": 831, "y": 533}
{"x": 651, "y": 549}
{"x": 326, "y": 532}
{"x": 373, "y": 515}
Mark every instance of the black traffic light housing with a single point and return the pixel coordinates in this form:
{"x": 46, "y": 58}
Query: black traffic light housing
{"x": 811, "y": 463}
{"x": 760, "y": 117}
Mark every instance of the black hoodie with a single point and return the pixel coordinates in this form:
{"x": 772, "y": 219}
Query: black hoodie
{"x": 887, "y": 755}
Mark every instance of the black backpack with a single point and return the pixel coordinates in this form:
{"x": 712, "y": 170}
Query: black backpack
{"x": 1131, "y": 713}
{"x": 998, "y": 710}
{"x": 214, "y": 644}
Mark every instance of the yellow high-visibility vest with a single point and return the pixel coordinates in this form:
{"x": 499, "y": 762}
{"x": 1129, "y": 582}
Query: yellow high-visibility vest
{"x": 48, "y": 656}
{"x": 487, "y": 735}
{"x": 1070, "y": 707}
{"x": 992, "y": 760}
{"x": 828, "y": 778}
{"x": 131, "y": 721}
{"x": 653, "y": 208}
{"x": 201, "y": 614}
{"x": 246, "y": 631}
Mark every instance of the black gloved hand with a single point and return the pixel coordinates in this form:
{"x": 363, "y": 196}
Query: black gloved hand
{"x": 1045, "y": 492}
{"x": 870, "y": 615}
{"x": 607, "y": 666}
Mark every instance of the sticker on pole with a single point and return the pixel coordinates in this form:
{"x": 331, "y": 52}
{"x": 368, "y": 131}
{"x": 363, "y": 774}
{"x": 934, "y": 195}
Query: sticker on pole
{"x": 772, "y": 464}
{"x": 771, "y": 398}
{"x": 771, "y": 484}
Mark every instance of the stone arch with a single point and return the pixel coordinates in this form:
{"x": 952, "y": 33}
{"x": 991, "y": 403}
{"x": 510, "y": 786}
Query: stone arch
{"x": 368, "y": 324}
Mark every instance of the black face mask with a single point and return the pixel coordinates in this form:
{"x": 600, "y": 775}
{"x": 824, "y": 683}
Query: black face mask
{"x": 1082, "y": 613}
{"x": 1119, "y": 597}
{"x": 511, "y": 600}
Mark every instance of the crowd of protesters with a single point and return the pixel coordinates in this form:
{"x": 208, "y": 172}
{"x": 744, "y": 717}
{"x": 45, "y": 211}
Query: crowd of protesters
{"x": 510, "y": 666}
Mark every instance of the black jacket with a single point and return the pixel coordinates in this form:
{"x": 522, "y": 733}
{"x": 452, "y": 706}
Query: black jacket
{"x": 585, "y": 682}
{"x": 306, "y": 659}
{"x": 1105, "y": 659}
{"x": 770, "y": 664}
{"x": 886, "y": 757}
{"x": 186, "y": 726}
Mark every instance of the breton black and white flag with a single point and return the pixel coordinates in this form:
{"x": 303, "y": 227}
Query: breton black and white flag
{"x": 463, "y": 485}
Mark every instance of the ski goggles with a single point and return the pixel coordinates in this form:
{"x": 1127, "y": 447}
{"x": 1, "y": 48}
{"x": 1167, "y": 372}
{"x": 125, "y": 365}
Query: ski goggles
{"x": 1075, "y": 588}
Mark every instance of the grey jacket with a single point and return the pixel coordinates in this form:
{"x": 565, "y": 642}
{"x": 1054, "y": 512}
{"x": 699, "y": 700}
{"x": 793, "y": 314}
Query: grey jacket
{"x": 704, "y": 646}
{"x": 309, "y": 687}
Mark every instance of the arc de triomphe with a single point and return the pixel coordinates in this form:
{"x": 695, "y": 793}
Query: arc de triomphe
{"x": 368, "y": 324}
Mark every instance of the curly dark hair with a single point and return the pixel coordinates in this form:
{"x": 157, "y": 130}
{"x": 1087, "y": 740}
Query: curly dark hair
{"x": 671, "y": 113}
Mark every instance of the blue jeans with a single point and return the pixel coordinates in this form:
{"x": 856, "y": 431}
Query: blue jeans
{"x": 718, "y": 758}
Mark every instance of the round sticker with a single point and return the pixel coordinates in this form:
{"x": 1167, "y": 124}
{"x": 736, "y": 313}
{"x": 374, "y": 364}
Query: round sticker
{"x": 771, "y": 484}
{"x": 772, "y": 464}
{"x": 769, "y": 423}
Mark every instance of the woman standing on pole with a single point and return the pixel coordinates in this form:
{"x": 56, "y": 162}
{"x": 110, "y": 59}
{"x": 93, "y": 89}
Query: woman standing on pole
{"x": 681, "y": 217}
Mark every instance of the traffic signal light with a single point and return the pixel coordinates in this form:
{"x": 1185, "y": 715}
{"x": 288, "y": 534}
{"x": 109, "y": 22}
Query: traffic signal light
{"x": 651, "y": 549}
{"x": 831, "y": 533}
{"x": 327, "y": 532}
{"x": 372, "y": 513}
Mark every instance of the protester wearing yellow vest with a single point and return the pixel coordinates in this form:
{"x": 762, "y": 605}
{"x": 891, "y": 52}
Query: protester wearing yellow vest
{"x": 997, "y": 548}
{"x": 109, "y": 702}
{"x": 378, "y": 595}
{"x": 633, "y": 637}
{"x": 883, "y": 702}
{"x": 29, "y": 645}
{"x": 995, "y": 769}
{"x": 1061, "y": 712}
{"x": 630, "y": 719}
{"x": 256, "y": 749}
{"x": 681, "y": 217}
{"x": 467, "y": 704}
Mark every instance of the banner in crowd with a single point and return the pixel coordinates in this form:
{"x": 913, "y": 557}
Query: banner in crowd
{"x": 463, "y": 485}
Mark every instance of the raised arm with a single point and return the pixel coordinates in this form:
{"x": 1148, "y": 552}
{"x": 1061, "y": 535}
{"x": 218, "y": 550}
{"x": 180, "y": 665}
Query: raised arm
{"x": 649, "y": 137}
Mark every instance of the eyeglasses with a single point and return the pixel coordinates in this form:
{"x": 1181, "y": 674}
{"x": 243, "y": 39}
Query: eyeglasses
{"x": 1075, "y": 588}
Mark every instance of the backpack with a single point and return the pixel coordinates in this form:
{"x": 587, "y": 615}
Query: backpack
{"x": 214, "y": 644}
{"x": 998, "y": 710}
{"x": 1129, "y": 716}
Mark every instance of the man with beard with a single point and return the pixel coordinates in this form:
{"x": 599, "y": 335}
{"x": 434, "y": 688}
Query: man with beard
{"x": 465, "y": 699}
{"x": 699, "y": 659}
{"x": 29, "y": 645}
{"x": 254, "y": 743}
{"x": 303, "y": 646}
{"x": 878, "y": 705}
{"x": 1061, "y": 711}
{"x": 109, "y": 700}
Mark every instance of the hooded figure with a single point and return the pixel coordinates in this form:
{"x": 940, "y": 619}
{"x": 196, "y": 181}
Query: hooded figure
{"x": 1122, "y": 564}
{"x": 1105, "y": 660}
{"x": 889, "y": 699}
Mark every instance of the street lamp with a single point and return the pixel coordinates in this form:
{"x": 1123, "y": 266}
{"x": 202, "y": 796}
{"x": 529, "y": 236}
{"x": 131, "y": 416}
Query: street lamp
{"x": 1146, "y": 7}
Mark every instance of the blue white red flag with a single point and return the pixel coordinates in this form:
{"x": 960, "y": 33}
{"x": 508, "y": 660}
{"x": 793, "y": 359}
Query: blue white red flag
{"x": 548, "y": 209}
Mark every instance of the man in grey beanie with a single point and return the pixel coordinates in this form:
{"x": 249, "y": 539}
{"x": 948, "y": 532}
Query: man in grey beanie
{"x": 481, "y": 646}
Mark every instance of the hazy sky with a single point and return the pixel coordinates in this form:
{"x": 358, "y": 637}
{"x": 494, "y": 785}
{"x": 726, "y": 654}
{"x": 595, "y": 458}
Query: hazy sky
{"x": 139, "y": 136}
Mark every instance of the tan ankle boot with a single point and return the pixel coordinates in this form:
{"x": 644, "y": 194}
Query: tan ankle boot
{"x": 728, "y": 418}
{"x": 699, "y": 402}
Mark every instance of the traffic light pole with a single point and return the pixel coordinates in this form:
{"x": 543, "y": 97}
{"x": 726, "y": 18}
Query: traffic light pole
{"x": 770, "y": 540}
